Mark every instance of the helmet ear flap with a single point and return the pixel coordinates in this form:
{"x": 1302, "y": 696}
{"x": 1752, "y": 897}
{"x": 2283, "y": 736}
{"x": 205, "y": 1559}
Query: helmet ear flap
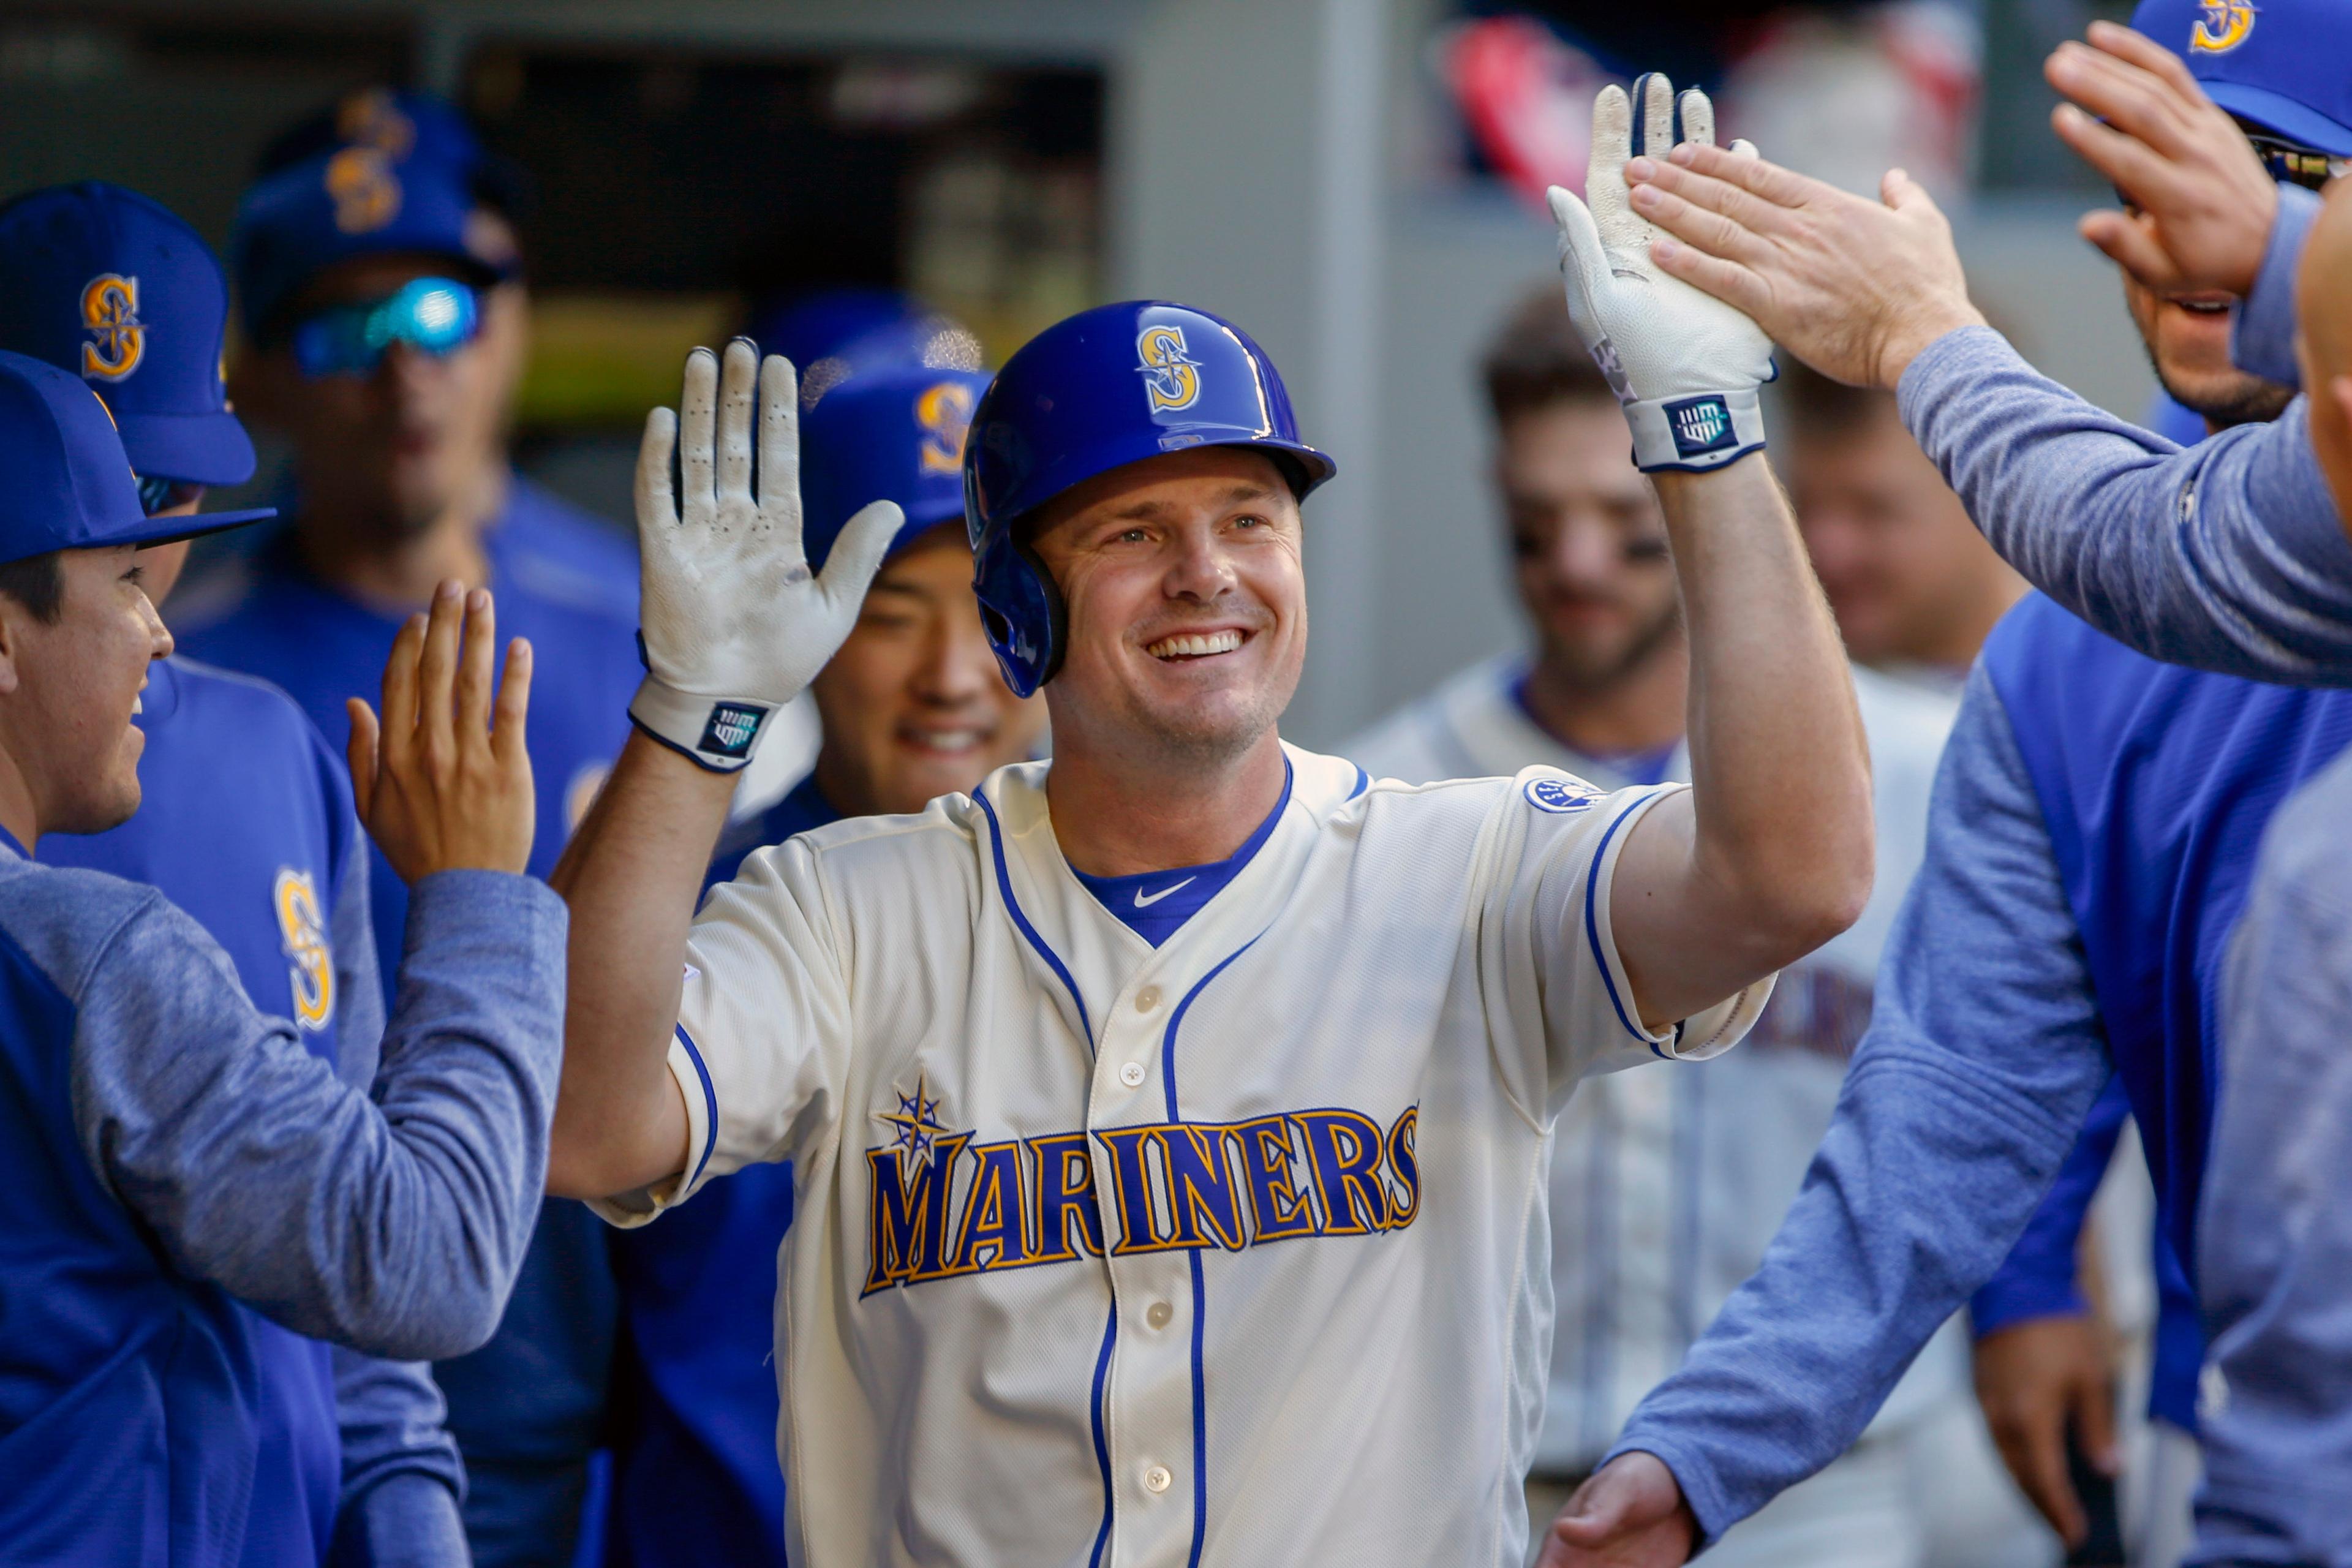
{"x": 1021, "y": 610}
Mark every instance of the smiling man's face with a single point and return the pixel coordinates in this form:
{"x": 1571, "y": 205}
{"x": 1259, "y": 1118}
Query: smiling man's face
{"x": 2188, "y": 339}
{"x": 1187, "y": 597}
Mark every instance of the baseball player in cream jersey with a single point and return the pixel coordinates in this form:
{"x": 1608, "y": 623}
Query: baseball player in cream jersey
{"x": 1171, "y": 1120}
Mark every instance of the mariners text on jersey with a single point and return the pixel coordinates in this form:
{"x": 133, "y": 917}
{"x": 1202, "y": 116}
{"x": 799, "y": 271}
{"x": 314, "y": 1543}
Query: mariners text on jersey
{"x": 1102, "y": 1239}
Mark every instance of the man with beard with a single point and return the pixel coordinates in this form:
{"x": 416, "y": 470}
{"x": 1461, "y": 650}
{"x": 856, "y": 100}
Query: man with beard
{"x": 1666, "y": 1184}
{"x": 385, "y": 315}
{"x": 2095, "y": 825}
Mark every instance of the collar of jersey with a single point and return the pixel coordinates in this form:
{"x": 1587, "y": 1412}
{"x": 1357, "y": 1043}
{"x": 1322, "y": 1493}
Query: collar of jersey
{"x": 1492, "y": 725}
{"x": 1089, "y": 940}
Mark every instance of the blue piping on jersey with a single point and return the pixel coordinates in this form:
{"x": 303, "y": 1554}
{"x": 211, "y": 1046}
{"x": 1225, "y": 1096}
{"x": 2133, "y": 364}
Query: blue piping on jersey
{"x": 1592, "y": 935}
{"x": 1005, "y": 885}
{"x": 710, "y": 1104}
{"x": 1111, "y": 1329}
{"x": 1102, "y": 1442}
{"x": 1363, "y": 782}
{"x": 1200, "y": 1297}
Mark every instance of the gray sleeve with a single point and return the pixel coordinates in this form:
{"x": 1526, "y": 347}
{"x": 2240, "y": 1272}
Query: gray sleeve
{"x": 2274, "y": 1241}
{"x": 1983, "y": 1054}
{"x": 403, "y": 1481}
{"x": 359, "y": 991}
{"x": 2262, "y": 327}
{"x": 393, "y": 1224}
{"x": 2226, "y": 556}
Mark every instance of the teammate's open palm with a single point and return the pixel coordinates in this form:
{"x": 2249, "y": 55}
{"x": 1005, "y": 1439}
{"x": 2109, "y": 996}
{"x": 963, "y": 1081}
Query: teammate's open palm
{"x": 444, "y": 782}
{"x": 734, "y": 623}
{"x": 1630, "y": 1514}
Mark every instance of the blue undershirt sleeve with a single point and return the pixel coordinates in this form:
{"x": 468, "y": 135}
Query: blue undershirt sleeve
{"x": 391, "y": 1224}
{"x": 2040, "y": 1277}
{"x": 403, "y": 1481}
{"x": 2226, "y": 556}
{"x": 2261, "y": 326}
{"x": 2274, "y": 1243}
{"x": 1982, "y": 1057}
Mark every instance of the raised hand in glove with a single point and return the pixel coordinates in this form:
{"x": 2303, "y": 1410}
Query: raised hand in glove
{"x": 1684, "y": 365}
{"x": 734, "y": 625}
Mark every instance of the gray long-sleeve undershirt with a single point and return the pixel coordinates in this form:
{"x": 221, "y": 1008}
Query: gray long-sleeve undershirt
{"x": 2226, "y": 556}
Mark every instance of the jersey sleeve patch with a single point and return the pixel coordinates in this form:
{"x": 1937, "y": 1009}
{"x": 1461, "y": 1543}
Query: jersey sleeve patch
{"x": 1560, "y": 794}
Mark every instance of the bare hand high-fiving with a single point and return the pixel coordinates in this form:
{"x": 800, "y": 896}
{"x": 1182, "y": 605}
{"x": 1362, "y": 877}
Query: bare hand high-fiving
{"x": 444, "y": 782}
{"x": 734, "y": 623}
{"x": 2202, "y": 203}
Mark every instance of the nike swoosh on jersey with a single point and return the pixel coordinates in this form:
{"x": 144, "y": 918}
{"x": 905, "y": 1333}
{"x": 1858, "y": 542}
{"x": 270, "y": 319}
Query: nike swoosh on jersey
{"x": 1142, "y": 902}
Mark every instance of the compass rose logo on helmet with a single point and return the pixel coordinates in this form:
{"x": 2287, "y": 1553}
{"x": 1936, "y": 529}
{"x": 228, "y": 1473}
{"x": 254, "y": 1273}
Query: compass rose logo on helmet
{"x": 1063, "y": 409}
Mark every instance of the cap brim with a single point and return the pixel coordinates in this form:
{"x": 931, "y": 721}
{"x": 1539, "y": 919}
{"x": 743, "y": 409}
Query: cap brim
{"x": 197, "y": 448}
{"x": 192, "y": 525}
{"x": 2283, "y": 115}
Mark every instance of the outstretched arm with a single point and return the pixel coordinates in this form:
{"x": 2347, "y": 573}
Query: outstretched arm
{"x": 1983, "y": 1055}
{"x": 392, "y": 1222}
{"x": 735, "y": 626}
{"x": 2231, "y": 556}
{"x": 1769, "y": 854}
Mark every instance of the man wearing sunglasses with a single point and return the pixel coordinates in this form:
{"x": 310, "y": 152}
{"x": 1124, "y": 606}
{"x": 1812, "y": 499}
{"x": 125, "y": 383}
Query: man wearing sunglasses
{"x": 383, "y": 299}
{"x": 246, "y": 822}
{"x": 2094, "y": 823}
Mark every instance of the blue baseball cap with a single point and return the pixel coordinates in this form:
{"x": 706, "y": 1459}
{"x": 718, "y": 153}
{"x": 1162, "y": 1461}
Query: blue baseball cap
{"x": 358, "y": 200}
{"x": 104, "y": 283}
{"x": 834, "y": 334}
{"x": 2285, "y": 65}
{"x": 69, "y": 483}
{"x": 895, "y": 434}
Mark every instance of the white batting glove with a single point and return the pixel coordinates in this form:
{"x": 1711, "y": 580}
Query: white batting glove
{"x": 733, "y": 623}
{"x": 1684, "y": 365}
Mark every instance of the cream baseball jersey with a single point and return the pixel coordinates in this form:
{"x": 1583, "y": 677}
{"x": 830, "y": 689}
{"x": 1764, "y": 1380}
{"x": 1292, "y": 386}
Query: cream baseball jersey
{"x": 1230, "y": 1250}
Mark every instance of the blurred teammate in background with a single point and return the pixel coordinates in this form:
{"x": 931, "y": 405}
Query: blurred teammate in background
{"x": 187, "y": 1176}
{"x": 1914, "y": 586}
{"x": 384, "y": 306}
{"x": 1665, "y": 1182}
{"x": 2097, "y": 816}
{"x": 246, "y": 823}
{"x": 913, "y": 708}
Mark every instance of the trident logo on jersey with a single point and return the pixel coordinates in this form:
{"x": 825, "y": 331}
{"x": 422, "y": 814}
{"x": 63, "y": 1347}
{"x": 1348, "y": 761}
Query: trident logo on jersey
{"x": 303, "y": 930}
{"x": 110, "y": 314}
{"x": 941, "y": 1205}
{"x": 1171, "y": 376}
{"x": 944, "y": 414}
{"x": 2221, "y": 27}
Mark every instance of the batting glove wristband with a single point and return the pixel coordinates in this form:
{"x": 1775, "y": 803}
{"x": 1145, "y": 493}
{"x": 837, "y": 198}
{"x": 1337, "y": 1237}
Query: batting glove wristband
{"x": 1685, "y": 365}
{"x": 734, "y": 625}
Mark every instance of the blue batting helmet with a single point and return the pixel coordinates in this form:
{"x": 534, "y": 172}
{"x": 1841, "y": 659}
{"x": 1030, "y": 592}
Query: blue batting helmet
{"x": 891, "y": 436}
{"x": 1106, "y": 387}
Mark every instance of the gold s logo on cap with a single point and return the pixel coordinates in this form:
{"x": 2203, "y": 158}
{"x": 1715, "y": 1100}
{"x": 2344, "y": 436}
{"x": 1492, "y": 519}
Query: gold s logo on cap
{"x": 110, "y": 314}
{"x": 2222, "y": 27}
{"x": 363, "y": 188}
{"x": 1171, "y": 376}
{"x": 944, "y": 412}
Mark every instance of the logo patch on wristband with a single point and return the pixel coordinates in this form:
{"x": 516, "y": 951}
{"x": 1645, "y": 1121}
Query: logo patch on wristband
{"x": 1701, "y": 424}
{"x": 733, "y": 727}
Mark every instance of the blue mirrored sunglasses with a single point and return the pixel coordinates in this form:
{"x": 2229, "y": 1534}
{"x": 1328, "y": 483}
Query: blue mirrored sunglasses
{"x": 437, "y": 315}
{"x": 2291, "y": 164}
{"x": 156, "y": 493}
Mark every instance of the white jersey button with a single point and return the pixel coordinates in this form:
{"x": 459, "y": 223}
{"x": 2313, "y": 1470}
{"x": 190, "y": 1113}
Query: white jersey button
{"x": 1147, "y": 999}
{"x": 1159, "y": 1314}
{"x": 1158, "y": 1480}
{"x": 1131, "y": 1075}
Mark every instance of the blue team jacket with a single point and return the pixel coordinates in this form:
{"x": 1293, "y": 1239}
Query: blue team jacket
{"x": 2156, "y": 782}
{"x": 695, "y": 1474}
{"x": 246, "y": 823}
{"x": 528, "y": 1408}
